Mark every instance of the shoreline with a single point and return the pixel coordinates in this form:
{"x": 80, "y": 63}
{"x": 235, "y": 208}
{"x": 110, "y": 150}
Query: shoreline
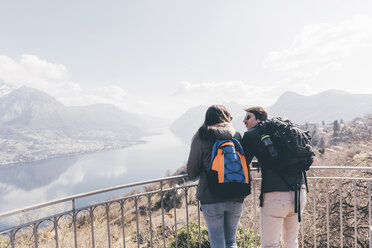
{"x": 72, "y": 154}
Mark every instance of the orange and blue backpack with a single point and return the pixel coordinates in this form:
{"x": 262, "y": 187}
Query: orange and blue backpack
{"x": 228, "y": 176}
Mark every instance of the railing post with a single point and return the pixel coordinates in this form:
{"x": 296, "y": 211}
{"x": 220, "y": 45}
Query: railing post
{"x": 175, "y": 217}
{"x": 74, "y": 222}
{"x": 137, "y": 227}
{"x": 108, "y": 224}
{"x": 187, "y": 217}
{"x": 122, "y": 220}
{"x": 302, "y": 233}
{"x": 369, "y": 213}
{"x": 162, "y": 211}
{"x": 254, "y": 212}
{"x": 244, "y": 223}
{"x": 355, "y": 216}
{"x": 91, "y": 213}
{"x": 199, "y": 231}
{"x": 314, "y": 212}
{"x": 35, "y": 235}
{"x": 12, "y": 237}
{"x": 56, "y": 231}
{"x": 150, "y": 219}
{"x": 341, "y": 219}
{"x": 327, "y": 213}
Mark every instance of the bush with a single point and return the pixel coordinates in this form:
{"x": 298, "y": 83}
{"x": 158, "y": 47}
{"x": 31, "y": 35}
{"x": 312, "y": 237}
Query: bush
{"x": 168, "y": 201}
{"x": 194, "y": 237}
{"x": 249, "y": 238}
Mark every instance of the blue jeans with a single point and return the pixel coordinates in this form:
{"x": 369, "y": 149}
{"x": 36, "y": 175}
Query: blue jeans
{"x": 222, "y": 220}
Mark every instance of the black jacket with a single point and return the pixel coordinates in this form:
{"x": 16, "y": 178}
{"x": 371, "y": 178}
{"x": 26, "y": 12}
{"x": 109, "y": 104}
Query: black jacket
{"x": 271, "y": 180}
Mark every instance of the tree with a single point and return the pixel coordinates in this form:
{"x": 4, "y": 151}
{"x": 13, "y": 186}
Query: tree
{"x": 315, "y": 137}
{"x": 336, "y": 128}
{"x": 321, "y": 143}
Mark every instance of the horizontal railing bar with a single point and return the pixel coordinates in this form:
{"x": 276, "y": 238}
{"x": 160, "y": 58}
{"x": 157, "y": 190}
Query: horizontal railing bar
{"x": 342, "y": 178}
{"x": 36, "y": 221}
{"x": 330, "y": 167}
{"x": 335, "y": 178}
{"x": 95, "y": 205}
{"x": 77, "y": 196}
{"x": 136, "y": 195}
{"x": 340, "y": 168}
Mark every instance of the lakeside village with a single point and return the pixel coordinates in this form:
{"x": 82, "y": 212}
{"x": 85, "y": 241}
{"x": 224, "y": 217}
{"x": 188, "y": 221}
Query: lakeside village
{"x": 33, "y": 146}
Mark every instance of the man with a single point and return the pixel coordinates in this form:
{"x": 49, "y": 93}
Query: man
{"x": 279, "y": 221}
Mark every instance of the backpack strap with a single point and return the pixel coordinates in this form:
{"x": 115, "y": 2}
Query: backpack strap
{"x": 296, "y": 189}
{"x": 305, "y": 177}
{"x": 298, "y": 203}
{"x": 262, "y": 186}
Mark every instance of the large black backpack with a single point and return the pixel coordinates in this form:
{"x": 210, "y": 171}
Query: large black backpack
{"x": 286, "y": 148}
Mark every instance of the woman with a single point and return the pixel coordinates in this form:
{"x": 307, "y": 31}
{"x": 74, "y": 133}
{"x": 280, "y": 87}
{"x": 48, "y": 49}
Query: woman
{"x": 221, "y": 215}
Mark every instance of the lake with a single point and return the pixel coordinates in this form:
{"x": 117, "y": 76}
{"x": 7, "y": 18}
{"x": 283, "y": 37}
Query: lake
{"x": 22, "y": 185}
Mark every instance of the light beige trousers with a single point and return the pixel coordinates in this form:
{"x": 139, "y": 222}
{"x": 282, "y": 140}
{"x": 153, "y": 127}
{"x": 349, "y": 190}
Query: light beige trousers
{"x": 279, "y": 223}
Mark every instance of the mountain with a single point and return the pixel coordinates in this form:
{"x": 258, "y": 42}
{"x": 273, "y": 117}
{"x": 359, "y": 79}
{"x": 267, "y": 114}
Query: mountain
{"x": 26, "y": 107}
{"x": 326, "y": 106}
{"x": 188, "y": 123}
{"x": 36, "y": 110}
{"x": 6, "y": 88}
{"x": 35, "y": 126}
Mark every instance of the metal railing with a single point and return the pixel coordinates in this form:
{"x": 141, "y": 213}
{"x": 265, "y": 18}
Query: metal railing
{"x": 165, "y": 213}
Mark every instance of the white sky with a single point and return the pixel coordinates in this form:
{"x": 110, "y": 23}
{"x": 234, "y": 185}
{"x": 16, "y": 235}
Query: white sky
{"x": 161, "y": 57}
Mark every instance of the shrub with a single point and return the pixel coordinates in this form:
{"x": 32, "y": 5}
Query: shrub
{"x": 168, "y": 201}
{"x": 194, "y": 237}
{"x": 249, "y": 238}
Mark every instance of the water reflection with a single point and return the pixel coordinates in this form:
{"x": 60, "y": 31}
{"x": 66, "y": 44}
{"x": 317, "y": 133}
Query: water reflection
{"x": 28, "y": 184}
{"x": 33, "y": 175}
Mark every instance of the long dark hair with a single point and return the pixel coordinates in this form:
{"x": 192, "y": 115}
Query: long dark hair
{"x": 215, "y": 114}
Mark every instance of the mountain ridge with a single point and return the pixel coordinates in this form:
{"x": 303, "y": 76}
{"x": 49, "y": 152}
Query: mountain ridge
{"x": 324, "y": 106}
{"x": 35, "y": 109}
{"x": 35, "y": 126}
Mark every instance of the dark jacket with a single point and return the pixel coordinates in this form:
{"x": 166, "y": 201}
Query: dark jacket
{"x": 200, "y": 158}
{"x": 271, "y": 181}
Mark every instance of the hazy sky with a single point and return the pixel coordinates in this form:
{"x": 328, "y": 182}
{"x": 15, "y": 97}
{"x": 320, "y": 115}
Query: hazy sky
{"x": 161, "y": 57}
